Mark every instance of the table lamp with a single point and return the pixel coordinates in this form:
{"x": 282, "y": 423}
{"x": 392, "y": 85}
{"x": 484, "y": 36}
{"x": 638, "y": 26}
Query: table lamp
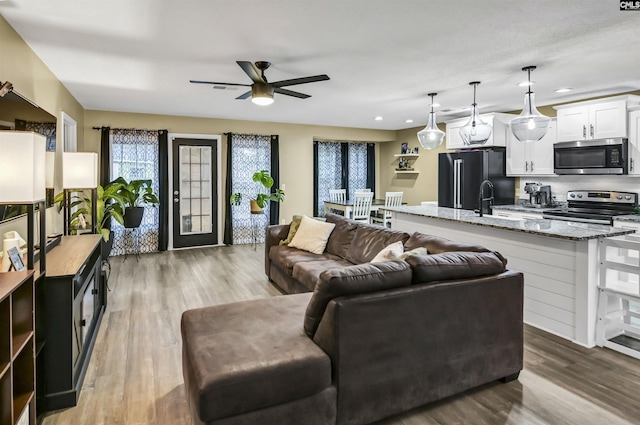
{"x": 79, "y": 172}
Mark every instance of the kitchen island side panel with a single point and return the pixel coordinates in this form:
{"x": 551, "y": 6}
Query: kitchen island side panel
{"x": 560, "y": 275}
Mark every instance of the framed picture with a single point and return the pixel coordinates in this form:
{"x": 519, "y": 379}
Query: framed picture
{"x": 16, "y": 259}
{"x": 405, "y": 148}
{"x": 416, "y": 150}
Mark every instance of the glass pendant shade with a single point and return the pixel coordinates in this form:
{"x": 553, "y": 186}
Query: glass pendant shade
{"x": 530, "y": 125}
{"x": 475, "y": 131}
{"x": 431, "y": 136}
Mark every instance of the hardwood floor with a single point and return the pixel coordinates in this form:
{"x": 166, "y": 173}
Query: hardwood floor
{"x": 135, "y": 373}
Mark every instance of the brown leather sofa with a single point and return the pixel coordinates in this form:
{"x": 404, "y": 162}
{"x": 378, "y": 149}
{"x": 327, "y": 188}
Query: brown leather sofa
{"x": 371, "y": 340}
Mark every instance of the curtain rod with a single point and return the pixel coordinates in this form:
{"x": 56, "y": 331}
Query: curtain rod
{"x": 119, "y": 129}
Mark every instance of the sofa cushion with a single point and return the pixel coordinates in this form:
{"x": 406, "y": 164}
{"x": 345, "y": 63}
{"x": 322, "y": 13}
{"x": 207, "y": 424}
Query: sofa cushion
{"x": 312, "y": 235}
{"x": 309, "y": 271}
{"x": 356, "y": 279}
{"x": 293, "y": 228}
{"x": 437, "y": 245}
{"x": 370, "y": 240}
{"x": 285, "y": 257}
{"x": 245, "y": 356}
{"x": 342, "y": 235}
{"x": 388, "y": 253}
{"x": 454, "y": 265}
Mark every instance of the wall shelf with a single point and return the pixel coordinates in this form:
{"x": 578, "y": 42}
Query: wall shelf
{"x": 407, "y": 172}
{"x": 408, "y": 155}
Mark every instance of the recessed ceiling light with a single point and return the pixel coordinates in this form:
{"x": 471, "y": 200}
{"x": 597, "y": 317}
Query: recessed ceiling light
{"x": 409, "y": 121}
{"x": 526, "y": 83}
{"x": 378, "y": 118}
{"x": 564, "y": 90}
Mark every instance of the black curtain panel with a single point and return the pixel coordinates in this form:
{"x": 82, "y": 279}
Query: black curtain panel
{"x": 228, "y": 219}
{"x": 316, "y": 169}
{"x": 105, "y": 156}
{"x": 344, "y": 156}
{"x": 163, "y": 190}
{"x": 371, "y": 166}
{"x": 274, "y": 211}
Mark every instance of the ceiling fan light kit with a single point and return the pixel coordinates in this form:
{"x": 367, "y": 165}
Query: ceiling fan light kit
{"x": 475, "y": 131}
{"x": 262, "y": 94}
{"x": 530, "y": 125}
{"x": 431, "y": 136}
{"x": 262, "y": 91}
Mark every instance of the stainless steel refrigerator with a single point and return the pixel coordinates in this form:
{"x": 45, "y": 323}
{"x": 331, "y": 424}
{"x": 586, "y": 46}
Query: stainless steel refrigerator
{"x": 461, "y": 173}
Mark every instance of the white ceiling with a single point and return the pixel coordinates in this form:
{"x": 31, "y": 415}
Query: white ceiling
{"x": 382, "y": 56}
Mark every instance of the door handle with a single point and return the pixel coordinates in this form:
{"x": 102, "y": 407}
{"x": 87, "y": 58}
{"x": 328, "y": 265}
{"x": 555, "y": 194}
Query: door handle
{"x": 532, "y": 166}
{"x": 631, "y": 164}
{"x": 584, "y": 131}
{"x": 591, "y": 130}
{"x": 526, "y": 166}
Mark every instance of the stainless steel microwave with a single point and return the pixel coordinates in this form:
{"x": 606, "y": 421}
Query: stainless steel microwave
{"x": 604, "y": 156}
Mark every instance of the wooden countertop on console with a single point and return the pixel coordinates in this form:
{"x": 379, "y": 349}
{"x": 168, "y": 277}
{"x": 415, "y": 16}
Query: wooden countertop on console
{"x": 69, "y": 255}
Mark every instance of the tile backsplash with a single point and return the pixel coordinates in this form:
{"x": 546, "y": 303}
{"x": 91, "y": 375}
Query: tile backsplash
{"x": 560, "y": 185}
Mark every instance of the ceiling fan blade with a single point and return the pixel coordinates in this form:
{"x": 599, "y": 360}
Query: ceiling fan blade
{"x": 244, "y": 95}
{"x": 251, "y": 70}
{"x": 303, "y": 80}
{"x": 218, "y": 84}
{"x": 291, "y": 93}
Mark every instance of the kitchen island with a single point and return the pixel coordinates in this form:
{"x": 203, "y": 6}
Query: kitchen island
{"x": 559, "y": 260}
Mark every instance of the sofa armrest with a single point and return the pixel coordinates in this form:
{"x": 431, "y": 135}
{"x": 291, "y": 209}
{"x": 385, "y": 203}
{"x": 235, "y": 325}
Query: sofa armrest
{"x": 274, "y": 234}
{"x": 402, "y": 348}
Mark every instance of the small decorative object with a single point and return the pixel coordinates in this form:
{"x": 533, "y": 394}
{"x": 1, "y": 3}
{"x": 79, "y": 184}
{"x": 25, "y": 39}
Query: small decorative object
{"x": 405, "y": 148}
{"x": 16, "y": 260}
{"x": 416, "y": 150}
{"x": 431, "y": 136}
{"x": 82, "y": 223}
{"x": 401, "y": 164}
{"x": 475, "y": 131}
{"x": 530, "y": 125}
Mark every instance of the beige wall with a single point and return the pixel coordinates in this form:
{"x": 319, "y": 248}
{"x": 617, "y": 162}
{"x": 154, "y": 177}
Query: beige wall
{"x": 296, "y": 144}
{"x": 32, "y": 79}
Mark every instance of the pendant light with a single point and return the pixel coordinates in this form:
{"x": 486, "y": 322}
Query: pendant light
{"x": 530, "y": 125}
{"x": 475, "y": 131}
{"x": 431, "y": 136}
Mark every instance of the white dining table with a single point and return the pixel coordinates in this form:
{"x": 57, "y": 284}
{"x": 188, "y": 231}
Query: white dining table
{"x": 347, "y": 206}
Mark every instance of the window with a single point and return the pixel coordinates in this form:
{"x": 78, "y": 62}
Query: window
{"x": 341, "y": 165}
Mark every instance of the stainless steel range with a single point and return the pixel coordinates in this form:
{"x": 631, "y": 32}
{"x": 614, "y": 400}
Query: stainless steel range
{"x": 595, "y": 206}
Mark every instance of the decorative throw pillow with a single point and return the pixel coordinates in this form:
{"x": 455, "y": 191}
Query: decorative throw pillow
{"x": 416, "y": 251}
{"x": 312, "y": 235}
{"x": 293, "y": 228}
{"x": 388, "y": 253}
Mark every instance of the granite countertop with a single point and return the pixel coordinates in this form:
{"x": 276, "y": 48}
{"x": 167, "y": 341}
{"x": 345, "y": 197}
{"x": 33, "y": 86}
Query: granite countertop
{"x": 543, "y": 227}
{"x": 630, "y": 217}
{"x": 522, "y": 207}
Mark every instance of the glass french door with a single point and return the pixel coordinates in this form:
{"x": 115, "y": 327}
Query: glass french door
{"x": 195, "y": 192}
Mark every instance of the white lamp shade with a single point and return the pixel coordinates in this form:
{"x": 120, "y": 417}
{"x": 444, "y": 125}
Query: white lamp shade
{"x": 50, "y": 166}
{"x": 22, "y": 167}
{"x": 79, "y": 170}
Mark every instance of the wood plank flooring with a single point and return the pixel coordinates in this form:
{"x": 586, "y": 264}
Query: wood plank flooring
{"x": 135, "y": 373}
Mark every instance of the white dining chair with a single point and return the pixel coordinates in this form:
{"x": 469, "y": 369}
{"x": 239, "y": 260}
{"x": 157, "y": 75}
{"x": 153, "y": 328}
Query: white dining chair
{"x": 337, "y": 195}
{"x": 362, "y": 206}
{"x": 391, "y": 199}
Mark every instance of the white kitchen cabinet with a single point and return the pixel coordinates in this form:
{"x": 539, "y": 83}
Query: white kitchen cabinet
{"x": 531, "y": 158}
{"x": 594, "y": 119}
{"x": 634, "y": 142}
{"x": 499, "y": 134}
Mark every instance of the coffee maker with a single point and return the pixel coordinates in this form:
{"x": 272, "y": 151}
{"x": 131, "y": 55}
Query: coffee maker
{"x": 539, "y": 195}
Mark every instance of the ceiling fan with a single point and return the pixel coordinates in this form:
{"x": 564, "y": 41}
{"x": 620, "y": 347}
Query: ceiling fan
{"x": 262, "y": 91}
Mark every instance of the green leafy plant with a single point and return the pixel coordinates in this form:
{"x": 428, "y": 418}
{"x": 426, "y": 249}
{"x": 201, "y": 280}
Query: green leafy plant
{"x": 136, "y": 193}
{"x": 262, "y": 198}
{"x": 110, "y": 204}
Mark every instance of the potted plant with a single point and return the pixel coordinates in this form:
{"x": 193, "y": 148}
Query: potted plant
{"x": 135, "y": 195}
{"x": 263, "y": 197}
{"x": 109, "y": 205}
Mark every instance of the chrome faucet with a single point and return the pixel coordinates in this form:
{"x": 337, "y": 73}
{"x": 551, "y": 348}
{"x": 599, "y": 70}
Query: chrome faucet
{"x": 482, "y": 199}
